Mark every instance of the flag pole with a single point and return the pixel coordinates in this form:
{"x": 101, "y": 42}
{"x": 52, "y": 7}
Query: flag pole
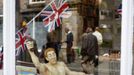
{"x": 38, "y": 13}
{"x": 33, "y": 28}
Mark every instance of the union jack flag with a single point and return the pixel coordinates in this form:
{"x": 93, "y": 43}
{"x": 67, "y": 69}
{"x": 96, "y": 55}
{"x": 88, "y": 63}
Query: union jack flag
{"x": 119, "y": 10}
{"x": 20, "y": 40}
{"x": 52, "y": 14}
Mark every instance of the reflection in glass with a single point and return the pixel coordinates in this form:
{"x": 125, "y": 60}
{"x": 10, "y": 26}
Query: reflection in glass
{"x": 88, "y": 14}
{"x": 1, "y": 44}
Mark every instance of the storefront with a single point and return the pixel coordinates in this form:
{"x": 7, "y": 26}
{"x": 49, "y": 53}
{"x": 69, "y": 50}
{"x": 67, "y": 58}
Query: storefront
{"x": 107, "y": 66}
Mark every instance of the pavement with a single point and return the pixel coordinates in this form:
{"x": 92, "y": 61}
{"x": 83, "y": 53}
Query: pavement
{"x": 107, "y": 65}
{"x": 104, "y": 67}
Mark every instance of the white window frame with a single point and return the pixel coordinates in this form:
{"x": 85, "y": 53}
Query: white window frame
{"x": 36, "y": 2}
{"x": 127, "y": 37}
{"x": 9, "y": 37}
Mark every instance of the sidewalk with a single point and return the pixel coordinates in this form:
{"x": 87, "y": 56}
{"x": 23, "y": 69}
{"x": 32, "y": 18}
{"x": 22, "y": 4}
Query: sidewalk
{"x": 104, "y": 67}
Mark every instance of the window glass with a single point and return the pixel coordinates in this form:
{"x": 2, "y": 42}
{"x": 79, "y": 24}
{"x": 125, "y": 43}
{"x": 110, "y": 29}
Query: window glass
{"x": 1, "y": 31}
{"x": 1, "y": 37}
{"x": 1, "y": 44}
{"x": 110, "y": 21}
{"x": 85, "y": 34}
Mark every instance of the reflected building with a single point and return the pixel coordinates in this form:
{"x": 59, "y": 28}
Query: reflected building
{"x": 27, "y": 9}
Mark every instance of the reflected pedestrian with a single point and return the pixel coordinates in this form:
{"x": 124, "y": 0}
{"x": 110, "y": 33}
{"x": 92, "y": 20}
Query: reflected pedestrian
{"x": 69, "y": 41}
{"x": 89, "y": 51}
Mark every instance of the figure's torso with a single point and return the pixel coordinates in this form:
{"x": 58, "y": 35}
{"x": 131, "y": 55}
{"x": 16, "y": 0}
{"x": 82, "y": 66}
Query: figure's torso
{"x": 58, "y": 69}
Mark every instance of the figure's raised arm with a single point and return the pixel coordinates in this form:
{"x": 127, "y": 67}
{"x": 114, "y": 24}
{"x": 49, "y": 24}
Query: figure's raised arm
{"x": 30, "y": 47}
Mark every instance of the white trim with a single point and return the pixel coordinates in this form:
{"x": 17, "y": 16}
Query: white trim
{"x": 127, "y": 37}
{"x": 9, "y": 37}
{"x": 36, "y": 2}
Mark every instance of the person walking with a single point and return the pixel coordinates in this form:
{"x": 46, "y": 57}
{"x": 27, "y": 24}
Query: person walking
{"x": 98, "y": 36}
{"x": 69, "y": 41}
{"x": 89, "y": 51}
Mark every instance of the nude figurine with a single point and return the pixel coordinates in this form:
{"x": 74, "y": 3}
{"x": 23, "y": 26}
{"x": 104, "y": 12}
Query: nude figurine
{"x": 53, "y": 67}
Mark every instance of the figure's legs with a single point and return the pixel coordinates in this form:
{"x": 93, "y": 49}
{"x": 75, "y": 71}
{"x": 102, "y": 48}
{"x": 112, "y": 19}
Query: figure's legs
{"x": 69, "y": 58}
{"x": 69, "y": 55}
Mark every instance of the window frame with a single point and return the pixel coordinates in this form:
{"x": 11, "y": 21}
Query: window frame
{"x": 9, "y": 31}
{"x": 127, "y": 37}
{"x": 36, "y": 2}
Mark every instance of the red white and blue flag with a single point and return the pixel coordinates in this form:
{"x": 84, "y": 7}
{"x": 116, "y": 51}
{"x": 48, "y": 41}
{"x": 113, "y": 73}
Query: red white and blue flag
{"x": 119, "y": 9}
{"x": 20, "y": 40}
{"x": 53, "y": 13}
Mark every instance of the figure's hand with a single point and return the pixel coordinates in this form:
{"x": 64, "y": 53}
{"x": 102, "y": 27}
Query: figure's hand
{"x": 30, "y": 45}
